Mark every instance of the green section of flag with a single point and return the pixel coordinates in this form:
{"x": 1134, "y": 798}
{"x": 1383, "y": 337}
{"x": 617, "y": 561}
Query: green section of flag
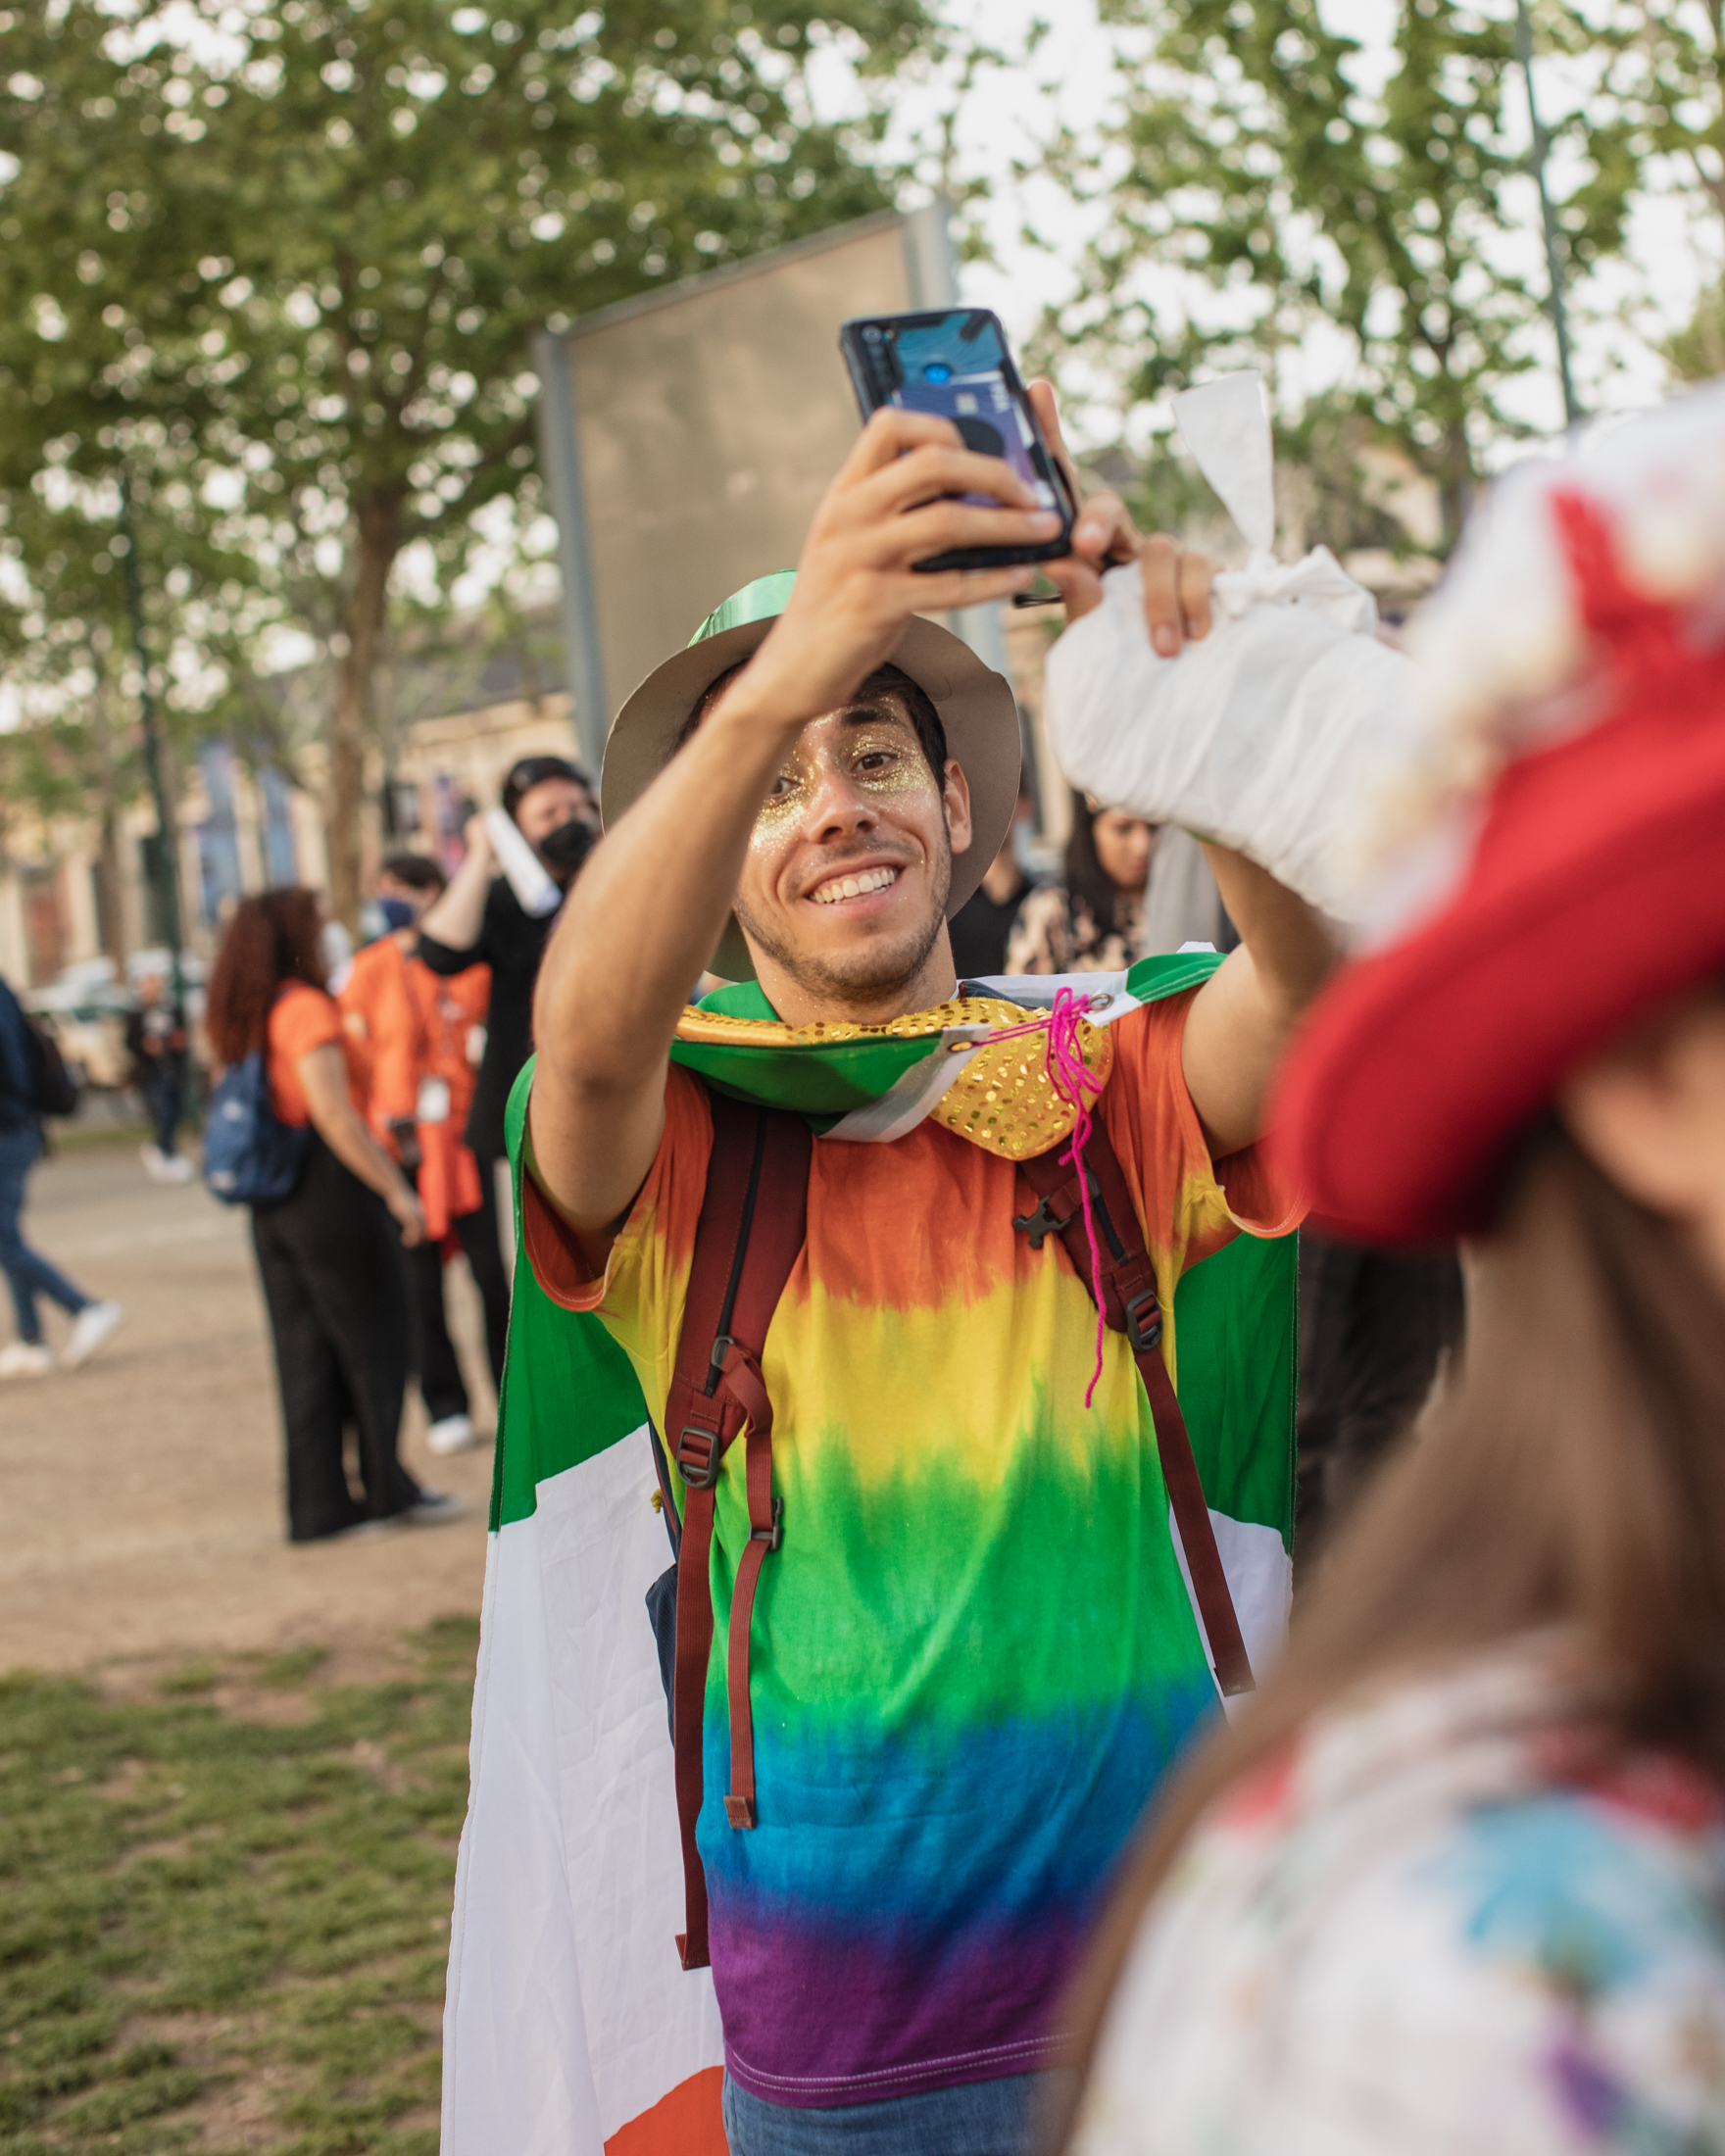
{"x": 568, "y": 1391}
{"x": 1236, "y": 1319}
{"x": 1150, "y": 979}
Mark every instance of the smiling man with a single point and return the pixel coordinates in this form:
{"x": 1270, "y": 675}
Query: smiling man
{"x": 972, "y": 1650}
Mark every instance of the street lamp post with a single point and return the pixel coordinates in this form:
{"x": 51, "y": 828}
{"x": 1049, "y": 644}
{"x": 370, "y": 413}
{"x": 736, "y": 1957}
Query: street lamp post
{"x": 1548, "y": 216}
{"x": 167, "y": 833}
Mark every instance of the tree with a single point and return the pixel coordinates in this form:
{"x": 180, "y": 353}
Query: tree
{"x": 1252, "y": 161}
{"x": 1660, "y": 77}
{"x": 67, "y": 641}
{"x": 309, "y": 245}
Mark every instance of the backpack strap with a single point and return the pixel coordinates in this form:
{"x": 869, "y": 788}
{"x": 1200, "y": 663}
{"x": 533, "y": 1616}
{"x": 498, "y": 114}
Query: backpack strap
{"x": 1130, "y": 1306}
{"x": 752, "y": 1226}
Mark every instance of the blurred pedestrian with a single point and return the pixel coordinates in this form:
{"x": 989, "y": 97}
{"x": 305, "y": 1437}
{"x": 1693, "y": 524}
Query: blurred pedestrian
{"x": 28, "y": 1274}
{"x": 327, "y": 1253}
{"x": 479, "y": 921}
{"x": 421, "y": 1033}
{"x": 982, "y": 925}
{"x": 1377, "y": 1328}
{"x": 1091, "y": 922}
{"x": 1454, "y": 1881}
{"x": 155, "y": 1040}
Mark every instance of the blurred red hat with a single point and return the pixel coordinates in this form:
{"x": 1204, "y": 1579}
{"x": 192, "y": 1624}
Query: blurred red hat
{"x": 1594, "y": 891}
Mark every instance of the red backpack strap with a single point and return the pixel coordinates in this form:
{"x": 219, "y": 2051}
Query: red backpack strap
{"x": 752, "y": 1226}
{"x": 1130, "y": 1306}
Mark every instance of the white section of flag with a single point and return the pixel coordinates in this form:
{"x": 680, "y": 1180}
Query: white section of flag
{"x": 567, "y": 2014}
{"x": 1260, "y": 1579}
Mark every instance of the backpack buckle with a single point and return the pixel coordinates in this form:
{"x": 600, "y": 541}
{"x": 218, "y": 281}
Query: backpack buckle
{"x": 1040, "y": 1224}
{"x": 1143, "y": 1330}
{"x": 698, "y": 1457}
{"x": 775, "y": 1533}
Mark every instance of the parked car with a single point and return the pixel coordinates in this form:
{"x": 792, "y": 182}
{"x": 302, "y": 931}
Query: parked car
{"x": 86, "y": 1016}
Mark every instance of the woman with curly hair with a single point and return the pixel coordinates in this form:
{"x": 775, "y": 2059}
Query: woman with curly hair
{"x": 328, "y": 1253}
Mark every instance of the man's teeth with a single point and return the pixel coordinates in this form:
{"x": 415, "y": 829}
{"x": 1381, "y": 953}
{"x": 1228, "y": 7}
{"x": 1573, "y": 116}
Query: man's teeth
{"x": 853, "y": 887}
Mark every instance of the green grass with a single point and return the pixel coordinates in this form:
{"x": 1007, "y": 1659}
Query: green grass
{"x": 222, "y": 1932}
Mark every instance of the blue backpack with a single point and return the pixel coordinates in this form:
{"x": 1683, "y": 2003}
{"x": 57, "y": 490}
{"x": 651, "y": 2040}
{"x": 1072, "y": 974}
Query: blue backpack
{"x": 249, "y": 1157}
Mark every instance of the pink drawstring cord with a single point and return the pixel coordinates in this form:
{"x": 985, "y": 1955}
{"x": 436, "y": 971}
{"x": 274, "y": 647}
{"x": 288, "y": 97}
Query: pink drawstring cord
{"x": 1072, "y": 1081}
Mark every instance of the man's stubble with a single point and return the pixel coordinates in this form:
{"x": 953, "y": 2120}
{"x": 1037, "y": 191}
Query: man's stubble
{"x": 869, "y": 969}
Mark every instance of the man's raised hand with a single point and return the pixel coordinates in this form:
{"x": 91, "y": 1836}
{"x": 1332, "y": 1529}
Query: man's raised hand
{"x": 1176, "y": 581}
{"x": 858, "y": 584}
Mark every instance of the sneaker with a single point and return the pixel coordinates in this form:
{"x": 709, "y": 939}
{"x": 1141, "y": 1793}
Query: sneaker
{"x": 451, "y": 1433}
{"x": 155, "y": 1160}
{"x": 176, "y": 1168}
{"x": 26, "y": 1359}
{"x": 95, "y": 1321}
{"x": 435, "y": 1505}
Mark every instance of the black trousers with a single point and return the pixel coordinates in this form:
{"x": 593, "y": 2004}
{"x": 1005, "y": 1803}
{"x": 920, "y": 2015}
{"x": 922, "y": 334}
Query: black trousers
{"x": 333, "y": 1278}
{"x": 1374, "y": 1325}
{"x": 435, "y": 1356}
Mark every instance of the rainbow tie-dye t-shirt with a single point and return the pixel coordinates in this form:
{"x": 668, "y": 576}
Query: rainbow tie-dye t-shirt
{"x": 974, "y": 1655}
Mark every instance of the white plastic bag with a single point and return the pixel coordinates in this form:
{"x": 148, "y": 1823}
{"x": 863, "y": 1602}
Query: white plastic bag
{"x": 1276, "y": 732}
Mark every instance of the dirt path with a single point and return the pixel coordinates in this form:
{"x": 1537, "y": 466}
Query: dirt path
{"x": 140, "y": 1496}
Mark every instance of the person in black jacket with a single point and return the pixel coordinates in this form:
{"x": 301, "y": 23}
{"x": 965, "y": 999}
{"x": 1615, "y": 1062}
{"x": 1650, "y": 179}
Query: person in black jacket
{"x": 28, "y": 1274}
{"x": 479, "y": 921}
{"x": 156, "y": 1042}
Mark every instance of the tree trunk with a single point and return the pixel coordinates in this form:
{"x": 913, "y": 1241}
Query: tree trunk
{"x": 378, "y": 538}
{"x": 110, "y": 919}
{"x": 1456, "y": 482}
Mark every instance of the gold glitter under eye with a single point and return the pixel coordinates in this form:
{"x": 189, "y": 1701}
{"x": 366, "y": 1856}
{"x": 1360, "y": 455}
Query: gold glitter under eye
{"x": 906, "y": 774}
{"x": 780, "y": 815}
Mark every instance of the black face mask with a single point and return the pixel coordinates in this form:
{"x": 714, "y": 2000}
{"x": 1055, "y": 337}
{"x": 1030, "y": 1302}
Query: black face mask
{"x": 564, "y": 850}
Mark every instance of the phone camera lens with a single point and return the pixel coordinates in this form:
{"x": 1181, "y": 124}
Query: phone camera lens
{"x": 871, "y": 336}
{"x": 937, "y": 370}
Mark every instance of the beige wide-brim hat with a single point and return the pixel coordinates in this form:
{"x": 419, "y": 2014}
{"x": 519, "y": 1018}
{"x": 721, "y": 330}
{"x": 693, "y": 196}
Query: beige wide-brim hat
{"x": 975, "y": 703}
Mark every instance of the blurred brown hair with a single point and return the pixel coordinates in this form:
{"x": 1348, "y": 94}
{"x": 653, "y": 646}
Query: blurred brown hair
{"x": 272, "y": 938}
{"x": 1575, "y": 1477}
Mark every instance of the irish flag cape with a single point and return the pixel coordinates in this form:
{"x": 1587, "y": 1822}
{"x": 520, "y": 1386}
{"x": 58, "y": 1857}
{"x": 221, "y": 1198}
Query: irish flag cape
{"x": 569, "y": 2026}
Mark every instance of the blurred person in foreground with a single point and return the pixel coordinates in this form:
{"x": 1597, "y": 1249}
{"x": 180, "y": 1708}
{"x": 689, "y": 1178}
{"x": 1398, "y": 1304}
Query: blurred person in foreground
{"x": 1103, "y": 914}
{"x": 1452, "y": 1882}
{"x": 28, "y": 1274}
{"x": 156, "y": 1042}
{"x": 416, "y": 1031}
{"x": 479, "y": 921}
{"x": 949, "y": 1748}
{"x": 326, "y": 1253}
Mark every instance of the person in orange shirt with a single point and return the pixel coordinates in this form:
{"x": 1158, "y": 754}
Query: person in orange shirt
{"x": 325, "y": 1252}
{"x": 418, "y": 1038}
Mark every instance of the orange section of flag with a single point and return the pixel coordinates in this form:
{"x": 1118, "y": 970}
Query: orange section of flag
{"x": 686, "y": 2123}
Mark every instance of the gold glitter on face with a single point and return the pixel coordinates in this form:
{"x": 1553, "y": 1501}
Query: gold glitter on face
{"x": 877, "y": 758}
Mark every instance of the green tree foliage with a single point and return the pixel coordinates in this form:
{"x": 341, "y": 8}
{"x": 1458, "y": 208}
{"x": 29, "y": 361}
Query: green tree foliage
{"x": 1661, "y": 78}
{"x": 305, "y": 248}
{"x": 68, "y": 648}
{"x": 1260, "y": 186}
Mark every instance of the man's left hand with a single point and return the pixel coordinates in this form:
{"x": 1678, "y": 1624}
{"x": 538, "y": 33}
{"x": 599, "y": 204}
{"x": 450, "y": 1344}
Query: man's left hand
{"x": 1176, "y": 580}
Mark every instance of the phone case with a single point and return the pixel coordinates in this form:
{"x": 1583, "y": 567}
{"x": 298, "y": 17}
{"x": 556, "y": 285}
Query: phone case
{"x": 956, "y": 362}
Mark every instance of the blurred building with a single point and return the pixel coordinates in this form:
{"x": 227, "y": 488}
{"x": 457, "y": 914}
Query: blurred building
{"x": 456, "y": 729}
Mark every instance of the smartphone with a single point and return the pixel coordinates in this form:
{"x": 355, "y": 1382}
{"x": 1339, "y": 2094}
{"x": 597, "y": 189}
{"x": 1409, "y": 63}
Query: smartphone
{"x": 957, "y": 364}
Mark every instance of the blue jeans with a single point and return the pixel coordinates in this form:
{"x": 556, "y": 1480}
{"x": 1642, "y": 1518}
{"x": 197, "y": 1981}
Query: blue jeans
{"x": 164, "y": 1094}
{"x": 27, "y": 1273}
{"x": 998, "y": 2117}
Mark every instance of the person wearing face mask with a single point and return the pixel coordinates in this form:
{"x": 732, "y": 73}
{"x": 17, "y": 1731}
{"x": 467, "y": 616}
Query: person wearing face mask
{"x": 479, "y": 921}
{"x": 416, "y": 1031}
